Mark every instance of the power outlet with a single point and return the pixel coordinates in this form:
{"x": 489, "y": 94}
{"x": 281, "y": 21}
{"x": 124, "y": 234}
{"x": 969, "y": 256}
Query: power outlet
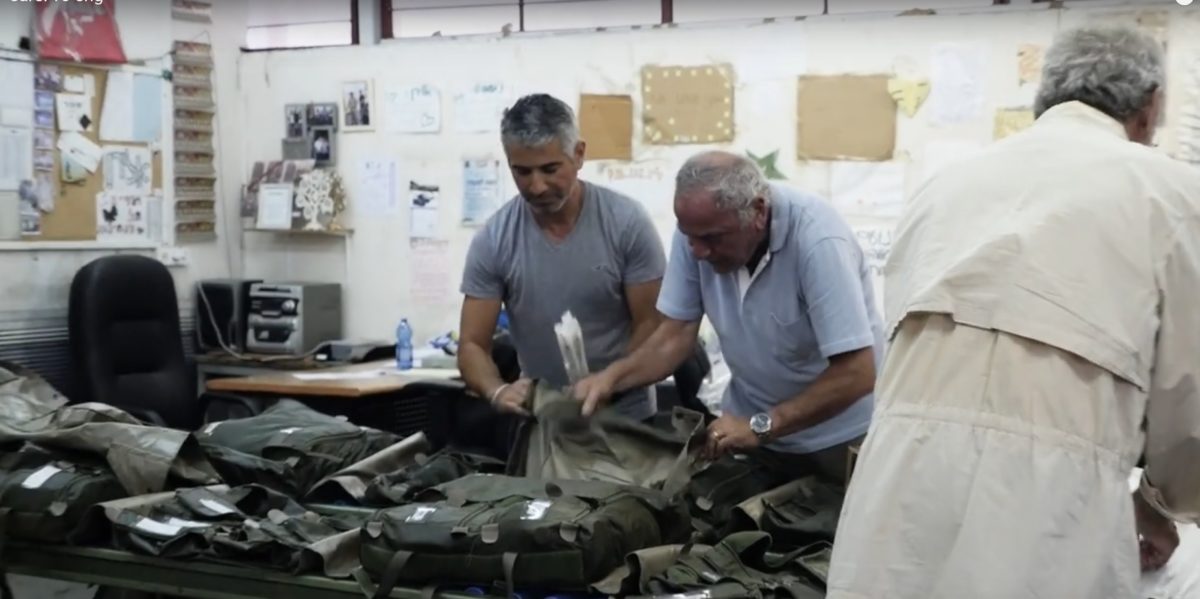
{"x": 173, "y": 256}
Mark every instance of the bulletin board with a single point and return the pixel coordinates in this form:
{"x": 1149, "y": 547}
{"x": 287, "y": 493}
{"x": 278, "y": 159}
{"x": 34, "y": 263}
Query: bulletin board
{"x": 74, "y": 214}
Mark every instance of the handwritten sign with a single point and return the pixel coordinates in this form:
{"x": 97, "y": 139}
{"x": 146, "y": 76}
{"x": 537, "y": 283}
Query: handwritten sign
{"x": 876, "y": 244}
{"x": 651, "y": 182}
{"x": 479, "y": 109}
{"x": 414, "y": 109}
{"x": 687, "y": 105}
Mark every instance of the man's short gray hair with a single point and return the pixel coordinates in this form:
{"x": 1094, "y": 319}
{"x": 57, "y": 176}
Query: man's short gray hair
{"x": 536, "y": 120}
{"x": 1112, "y": 69}
{"x": 733, "y": 180}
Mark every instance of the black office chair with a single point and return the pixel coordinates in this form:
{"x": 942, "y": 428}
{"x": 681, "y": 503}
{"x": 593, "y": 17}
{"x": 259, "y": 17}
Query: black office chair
{"x": 127, "y": 346}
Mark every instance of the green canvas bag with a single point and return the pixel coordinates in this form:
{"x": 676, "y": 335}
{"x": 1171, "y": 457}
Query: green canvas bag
{"x": 492, "y": 529}
{"x": 45, "y": 495}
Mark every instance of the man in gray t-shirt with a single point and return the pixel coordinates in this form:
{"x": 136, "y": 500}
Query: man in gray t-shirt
{"x": 560, "y": 245}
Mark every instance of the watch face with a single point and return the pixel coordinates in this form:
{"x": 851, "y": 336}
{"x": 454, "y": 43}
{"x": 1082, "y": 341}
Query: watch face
{"x": 760, "y": 423}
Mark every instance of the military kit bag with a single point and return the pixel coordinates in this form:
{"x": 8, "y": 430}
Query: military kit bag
{"x": 45, "y": 495}
{"x": 715, "y": 491}
{"x": 484, "y": 529}
{"x": 798, "y": 514}
{"x": 740, "y": 566}
{"x": 308, "y": 444}
{"x": 402, "y": 486}
{"x": 349, "y": 486}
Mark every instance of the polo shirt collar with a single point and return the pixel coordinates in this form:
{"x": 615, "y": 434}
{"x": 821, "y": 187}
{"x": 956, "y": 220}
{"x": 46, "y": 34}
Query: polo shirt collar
{"x": 781, "y": 219}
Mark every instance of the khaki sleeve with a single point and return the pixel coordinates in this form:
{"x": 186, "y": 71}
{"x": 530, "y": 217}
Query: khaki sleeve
{"x": 1171, "y": 479}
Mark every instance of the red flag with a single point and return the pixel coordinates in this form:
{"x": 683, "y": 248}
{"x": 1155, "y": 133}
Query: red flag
{"x": 78, "y": 32}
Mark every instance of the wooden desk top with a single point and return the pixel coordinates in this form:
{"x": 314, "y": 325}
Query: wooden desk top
{"x": 359, "y": 380}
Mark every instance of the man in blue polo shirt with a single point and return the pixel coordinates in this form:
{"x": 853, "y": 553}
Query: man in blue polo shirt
{"x": 784, "y": 283}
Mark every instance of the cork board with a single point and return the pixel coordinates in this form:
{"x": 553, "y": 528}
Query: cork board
{"x": 606, "y": 123}
{"x": 74, "y": 214}
{"x": 845, "y": 117}
{"x": 687, "y": 105}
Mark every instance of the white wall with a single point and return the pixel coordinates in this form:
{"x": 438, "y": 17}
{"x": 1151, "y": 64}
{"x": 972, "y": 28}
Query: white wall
{"x": 373, "y": 263}
{"x": 36, "y": 281}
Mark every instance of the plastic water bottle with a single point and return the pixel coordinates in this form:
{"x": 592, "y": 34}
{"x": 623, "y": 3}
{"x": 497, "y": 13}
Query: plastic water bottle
{"x": 404, "y": 346}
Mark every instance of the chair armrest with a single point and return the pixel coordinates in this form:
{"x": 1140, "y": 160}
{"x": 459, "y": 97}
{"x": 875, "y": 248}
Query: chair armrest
{"x": 216, "y": 406}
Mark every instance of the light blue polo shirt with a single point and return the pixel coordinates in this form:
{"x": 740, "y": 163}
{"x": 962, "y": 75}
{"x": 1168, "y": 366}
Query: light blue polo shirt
{"x": 810, "y": 298}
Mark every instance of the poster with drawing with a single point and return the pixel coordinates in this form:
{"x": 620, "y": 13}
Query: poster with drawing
{"x": 121, "y": 217}
{"x": 127, "y": 171}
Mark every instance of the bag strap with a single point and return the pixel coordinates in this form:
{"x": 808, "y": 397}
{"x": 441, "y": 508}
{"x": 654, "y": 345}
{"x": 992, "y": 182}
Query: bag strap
{"x": 509, "y": 561}
{"x": 5, "y": 590}
{"x": 391, "y": 575}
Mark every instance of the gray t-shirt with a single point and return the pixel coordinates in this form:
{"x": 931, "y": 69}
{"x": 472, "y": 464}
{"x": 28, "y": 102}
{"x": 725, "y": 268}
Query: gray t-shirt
{"x": 613, "y": 245}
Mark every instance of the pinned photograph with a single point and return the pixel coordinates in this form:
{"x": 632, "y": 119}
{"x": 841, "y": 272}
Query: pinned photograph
{"x": 322, "y": 146}
{"x": 44, "y": 100}
{"x": 357, "y": 106}
{"x": 44, "y": 118}
{"x": 48, "y": 78}
{"x": 322, "y": 115}
{"x": 296, "y": 117}
{"x": 43, "y": 139}
{"x": 43, "y": 160}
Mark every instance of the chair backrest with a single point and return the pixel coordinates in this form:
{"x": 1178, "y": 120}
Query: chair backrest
{"x": 126, "y": 342}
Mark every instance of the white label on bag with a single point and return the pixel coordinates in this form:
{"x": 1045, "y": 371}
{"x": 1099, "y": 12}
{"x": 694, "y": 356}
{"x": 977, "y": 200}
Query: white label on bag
{"x": 216, "y": 507}
{"x": 692, "y": 595}
{"x": 39, "y": 478}
{"x": 422, "y": 512}
{"x": 288, "y": 431}
{"x": 158, "y": 528}
{"x": 536, "y": 510}
{"x": 210, "y": 428}
{"x": 186, "y": 523}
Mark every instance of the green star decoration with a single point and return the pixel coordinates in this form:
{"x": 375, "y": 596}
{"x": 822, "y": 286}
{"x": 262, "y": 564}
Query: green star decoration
{"x": 767, "y": 164}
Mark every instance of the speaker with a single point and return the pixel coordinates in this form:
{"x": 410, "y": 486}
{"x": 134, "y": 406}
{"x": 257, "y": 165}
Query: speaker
{"x": 222, "y": 306}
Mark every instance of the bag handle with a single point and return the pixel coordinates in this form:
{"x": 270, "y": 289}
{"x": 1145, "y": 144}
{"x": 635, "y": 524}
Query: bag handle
{"x": 509, "y": 560}
{"x": 391, "y": 575}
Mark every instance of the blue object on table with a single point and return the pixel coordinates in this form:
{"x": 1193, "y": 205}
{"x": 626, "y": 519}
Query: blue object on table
{"x": 404, "y": 346}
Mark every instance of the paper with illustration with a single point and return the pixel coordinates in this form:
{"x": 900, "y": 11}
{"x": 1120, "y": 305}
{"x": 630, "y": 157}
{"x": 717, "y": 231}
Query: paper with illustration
{"x": 127, "y": 170}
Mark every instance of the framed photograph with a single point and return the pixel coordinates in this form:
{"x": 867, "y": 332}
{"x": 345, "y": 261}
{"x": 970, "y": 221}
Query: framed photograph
{"x": 296, "y": 148}
{"x": 295, "y": 120}
{"x": 358, "y": 106}
{"x": 322, "y": 115}
{"x": 322, "y": 146}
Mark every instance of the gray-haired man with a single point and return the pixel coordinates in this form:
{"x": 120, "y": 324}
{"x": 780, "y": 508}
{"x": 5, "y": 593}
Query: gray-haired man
{"x": 562, "y": 244}
{"x": 784, "y": 283}
{"x": 1044, "y": 334}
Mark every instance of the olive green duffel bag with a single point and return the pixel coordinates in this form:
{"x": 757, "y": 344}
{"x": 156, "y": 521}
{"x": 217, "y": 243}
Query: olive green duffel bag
{"x": 516, "y": 532}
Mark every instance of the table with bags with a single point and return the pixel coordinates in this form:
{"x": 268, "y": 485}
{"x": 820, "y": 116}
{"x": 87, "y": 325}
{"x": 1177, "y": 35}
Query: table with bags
{"x": 295, "y": 503}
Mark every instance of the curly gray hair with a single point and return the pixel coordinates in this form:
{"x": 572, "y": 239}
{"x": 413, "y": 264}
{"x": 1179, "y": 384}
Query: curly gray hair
{"x": 734, "y": 181}
{"x": 1115, "y": 70}
{"x": 536, "y": 120}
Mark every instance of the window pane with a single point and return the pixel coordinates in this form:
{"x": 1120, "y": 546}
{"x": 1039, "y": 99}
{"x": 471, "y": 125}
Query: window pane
{"x": 695, "y": 11}
{"x": 299, "y": 36}
{"x": 265, "y": 13}
{"x": 548, "y": 15}
{"x": 424, "y": 22}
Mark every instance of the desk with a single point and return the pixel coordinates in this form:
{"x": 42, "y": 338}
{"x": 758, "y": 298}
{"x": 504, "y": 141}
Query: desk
{"x": 359, "y": 380}
{"x": 109, "y": 567}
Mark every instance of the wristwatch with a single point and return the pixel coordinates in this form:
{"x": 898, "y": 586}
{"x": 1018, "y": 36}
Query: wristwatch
{"x": 760, "y": 425}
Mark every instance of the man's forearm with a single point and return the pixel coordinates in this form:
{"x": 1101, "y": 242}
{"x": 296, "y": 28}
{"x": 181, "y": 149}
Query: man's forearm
{"x": 830, "y": 394}
{"x": 478, "y": 370}
{"x": 653, "y": 361}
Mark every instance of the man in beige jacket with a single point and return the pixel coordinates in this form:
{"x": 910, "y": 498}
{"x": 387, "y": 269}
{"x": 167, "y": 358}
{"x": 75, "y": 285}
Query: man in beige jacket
{"x": 1043, "y": 306}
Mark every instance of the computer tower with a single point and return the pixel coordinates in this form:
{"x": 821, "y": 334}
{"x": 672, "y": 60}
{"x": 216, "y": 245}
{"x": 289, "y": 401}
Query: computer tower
{"x": 222, "y": 306}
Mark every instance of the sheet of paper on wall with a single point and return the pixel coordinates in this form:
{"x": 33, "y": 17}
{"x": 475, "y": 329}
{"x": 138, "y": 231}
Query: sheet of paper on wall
{"x": 17, "y": 91}
{"x": 121, "y": 217}
{"x": 845, "y": 117}
{"x": 72, "y": 172}
{"x": 377, "y": 192}
{"x": 940, "y": 154}
{"x": 16, "y": 117}
{"x": 650, "y": 181}
{"x": 132, "y": 109}
{"x": 414, "y": 109}
{"x": 957, "y": 71}
{"x": 1011, "y": 120}
{"x": 606, "y": 122}
{"x": 74, "y": 112}
{"x": 82, "y": 150}
{"x": 1029, "y": 63}
{"x": 687, "y": 104}
{"x": 424, "y": 207}
{"x": 481, "y": 189}
{"x": 16, "y": 157}
{"x": 909, "y": 94}
{"x": 127, "y": 170}
{"x": 430, "y": 284}
{"x": 867, "y": 189}
{"x": 480, "y": 108}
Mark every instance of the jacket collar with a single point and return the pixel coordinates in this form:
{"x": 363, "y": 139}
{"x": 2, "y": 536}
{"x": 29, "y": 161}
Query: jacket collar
{"x": 1083, "y": 115}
